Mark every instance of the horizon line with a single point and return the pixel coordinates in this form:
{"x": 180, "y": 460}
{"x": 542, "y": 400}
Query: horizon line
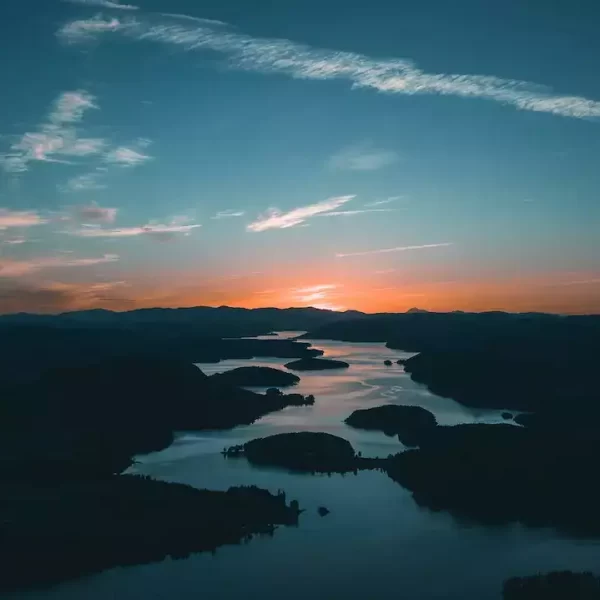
{"x": 412, "y": 310}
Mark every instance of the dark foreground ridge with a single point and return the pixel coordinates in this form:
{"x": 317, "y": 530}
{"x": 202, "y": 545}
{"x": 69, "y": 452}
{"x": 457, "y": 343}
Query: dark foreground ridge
{"x": 257, "y": 377}
{"x": 67, "y": 437}
{"x": 409, "y": 423}
{"x": 55, "y": 346}
{"x": 53, "y": 533}
{"x": 540, "y": 379}
{"x": 308, "y": 452}
{"x": 550, "y": 358}
{"x": 559, "y": 585}
{"x": 316, "y": 364}
{"x": 95, "y": 411}
{"x": 458, "y": 331}
{"x": 502, "y": 473}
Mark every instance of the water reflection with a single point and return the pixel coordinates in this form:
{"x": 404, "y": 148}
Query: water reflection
{"x": 368, "y": 382}
{"x": 376, "y": 539}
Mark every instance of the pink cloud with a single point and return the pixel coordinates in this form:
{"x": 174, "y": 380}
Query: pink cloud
{"x": 126, "y": 157}
{"x": 18, "y": 268}
{"x": 276, "y": 219}
{"x": 11, "y": 218}
{"x": 71, "y": 106}
{"x": 57, "y": 139}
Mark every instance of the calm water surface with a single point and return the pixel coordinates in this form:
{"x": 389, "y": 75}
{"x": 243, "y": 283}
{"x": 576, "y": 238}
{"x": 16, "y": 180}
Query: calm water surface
{"x": 375, "y": 542}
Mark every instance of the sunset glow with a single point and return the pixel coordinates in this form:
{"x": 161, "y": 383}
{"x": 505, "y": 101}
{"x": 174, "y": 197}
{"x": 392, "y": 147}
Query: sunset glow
{"x": 228, "y": 161}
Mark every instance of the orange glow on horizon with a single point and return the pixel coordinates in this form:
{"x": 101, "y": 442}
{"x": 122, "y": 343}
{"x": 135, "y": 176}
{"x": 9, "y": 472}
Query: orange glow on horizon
{"x": 384, "y": 291}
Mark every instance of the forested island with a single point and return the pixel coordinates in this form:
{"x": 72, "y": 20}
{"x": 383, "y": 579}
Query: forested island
{"x": 306, "y": 452}
{"x": 316, "y": 364}
{"x": 257, "y": 377}
{"x": 410, "y": 423}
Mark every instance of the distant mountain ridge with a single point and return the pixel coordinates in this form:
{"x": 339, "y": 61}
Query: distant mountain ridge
{"x": 419, "y": 331}
{"x": 274, "y": 318}
{"x": 33, "y": 343}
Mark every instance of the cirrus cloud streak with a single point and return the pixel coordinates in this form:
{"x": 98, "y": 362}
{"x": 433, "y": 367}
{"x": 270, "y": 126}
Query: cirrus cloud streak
{"x": 300, "y": 61}
{"x": 276, "y": 219}
{"x": 155, "y": 230}
{"x": 396, "y": 249}
{"x": 104, "y": 4}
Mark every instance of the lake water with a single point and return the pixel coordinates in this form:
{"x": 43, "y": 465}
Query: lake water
{"x": 375, "y": 542}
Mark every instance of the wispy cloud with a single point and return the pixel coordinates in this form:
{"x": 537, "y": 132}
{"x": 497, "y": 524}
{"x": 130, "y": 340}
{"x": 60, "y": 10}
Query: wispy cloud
{"x": 93, "y": 214}
{"x": 276, "y": 219}
{"x": 155, "y": 230}
{"x": 194, "y": 19}
{"x": 57, "y": 140}
{"x": 351, "y": 213}
{"x": 391, "y": 76}
{"x": 581, "y": 282}
{"x": 71, "y": 106}
{"x": 104, "y": 4}
{"x": 15, "y": 218}
{"x": 228, "y": 214}
{"x": 382, "y": 202}
{"x": 316, "y": 288}
{"x": 396, "y": 249}
{"x": 316, "y": 293}
{"x": 85, "y": 29}
{"x": 15, "y": 240}
{"x": 128, "y": 157}
{"x": 362, "y": 157}
{"x": 18, "y": 268}
{"x": 84, "y": 183}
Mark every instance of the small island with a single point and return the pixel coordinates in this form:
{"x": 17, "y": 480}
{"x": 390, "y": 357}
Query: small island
{"x": 558, "y": 585}
{"x": 274, "y": 395}
{"x": 316, "y": 364}
{"x": 257, "y": 377}
{"x": 305, "y": 451}
{"x": 409, "y": 423}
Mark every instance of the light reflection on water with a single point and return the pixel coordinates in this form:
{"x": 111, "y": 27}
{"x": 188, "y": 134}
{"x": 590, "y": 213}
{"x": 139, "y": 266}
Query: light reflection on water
{"x": 376, "y": 540}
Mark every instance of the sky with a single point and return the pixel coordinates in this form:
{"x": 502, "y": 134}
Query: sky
{"x": 374, "y": 155}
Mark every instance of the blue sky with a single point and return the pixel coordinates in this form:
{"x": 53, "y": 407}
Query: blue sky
{"x": 363, "y": 155}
